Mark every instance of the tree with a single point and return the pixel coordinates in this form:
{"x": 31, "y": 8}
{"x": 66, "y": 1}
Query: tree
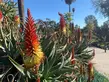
{"x": 21, "y": 12}
{"x": 102, "y": 34}
{"x": 102, "y": 6}
{"x": 91, "y": 21}
{"x": 91, "y": 25}
{"x": 77, "y": 26}
{"x": 69, "y": 2}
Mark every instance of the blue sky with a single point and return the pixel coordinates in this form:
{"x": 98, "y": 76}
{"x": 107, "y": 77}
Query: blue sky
{"x": 49, "y": 9}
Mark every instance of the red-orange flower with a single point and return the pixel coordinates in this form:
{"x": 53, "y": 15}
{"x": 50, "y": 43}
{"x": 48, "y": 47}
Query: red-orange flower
{"x": 38, "y": 79}
{"x": 33, "y": 51}
{"x": 1, "y": 16}
{"x": 72, "y": 59}
{"x": 90, "y": 71}
{"x": 62, "y": 23}
{"x": 79, "y": 35}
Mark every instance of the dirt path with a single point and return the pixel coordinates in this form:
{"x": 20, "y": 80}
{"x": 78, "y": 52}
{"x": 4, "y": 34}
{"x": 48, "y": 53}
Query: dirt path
{"x": 101, "y": 61}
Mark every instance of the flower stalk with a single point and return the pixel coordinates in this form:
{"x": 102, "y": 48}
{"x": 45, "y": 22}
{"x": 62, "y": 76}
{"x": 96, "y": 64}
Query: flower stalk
{"x": 33, "y": 52}
{"x": 90, "y": 72}
{"x": 62, "y": 23}
{"x": 79, "y": 35}
{"x": 72, "y": 59}
{"x": 38, "y": 79}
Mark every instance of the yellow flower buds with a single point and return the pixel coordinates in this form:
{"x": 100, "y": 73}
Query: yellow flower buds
{"x": 17, "y": 20}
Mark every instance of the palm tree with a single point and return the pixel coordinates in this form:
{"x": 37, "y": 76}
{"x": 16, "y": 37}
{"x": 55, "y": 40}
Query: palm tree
{"x": 69, "y": 2}
{"x": 21, "y": 11}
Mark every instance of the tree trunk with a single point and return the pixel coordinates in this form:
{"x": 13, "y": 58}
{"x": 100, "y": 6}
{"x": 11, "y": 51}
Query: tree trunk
{"x": 105, "y": 48}
{"x": 69, "y": 8}
{"x": 11, "y": 0}
{"x": 21, "y": 12}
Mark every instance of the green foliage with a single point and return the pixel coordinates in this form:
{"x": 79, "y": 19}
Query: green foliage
{"x": 90, "y": 19}
{"x": 68, "y": 17}
{"x": 102, "y": 6}
{"x": 99, "y": 77}
{"x": 9, "y": 10}
{"x": 102, "y": 34}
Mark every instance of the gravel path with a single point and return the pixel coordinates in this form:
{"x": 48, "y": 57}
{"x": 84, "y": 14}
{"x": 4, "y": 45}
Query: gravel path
{"x": 101, "y": 61}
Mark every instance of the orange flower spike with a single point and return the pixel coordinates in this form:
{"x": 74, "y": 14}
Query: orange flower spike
{"x": 38, "y": 79}
{"x": 1, "y": 16}
{"x": 79, "y": 35}
{"x": 81, "y": 69}
{"x": 90, "y": 71}
{"x": 62, "y": 23}
{"x": 72, "y": 59}
{"x": 17, "y": 19}
{"x": 33, "y": 51}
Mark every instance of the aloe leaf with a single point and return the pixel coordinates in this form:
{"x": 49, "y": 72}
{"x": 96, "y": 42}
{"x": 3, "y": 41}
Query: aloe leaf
{"x": 1, "y": 75}
{"x": 22, "y": 69}
{"x": 18, "y": 66}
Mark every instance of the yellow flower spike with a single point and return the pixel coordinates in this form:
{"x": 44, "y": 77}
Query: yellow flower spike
{"x": 90, "y": 71}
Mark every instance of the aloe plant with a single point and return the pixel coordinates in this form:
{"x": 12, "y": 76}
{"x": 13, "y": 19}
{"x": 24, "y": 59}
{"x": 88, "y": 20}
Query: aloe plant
{"x": 43, "y": 54}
